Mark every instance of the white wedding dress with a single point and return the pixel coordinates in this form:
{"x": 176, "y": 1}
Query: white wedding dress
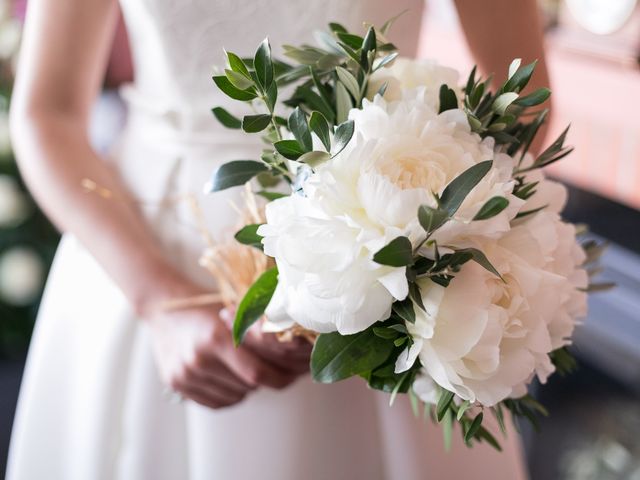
{"x": 91, "y": 405}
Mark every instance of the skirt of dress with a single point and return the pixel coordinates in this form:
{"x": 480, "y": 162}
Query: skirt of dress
{"x": 92, "y": 406}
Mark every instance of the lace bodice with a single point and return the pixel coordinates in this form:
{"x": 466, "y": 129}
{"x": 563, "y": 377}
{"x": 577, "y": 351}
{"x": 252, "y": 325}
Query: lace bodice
{"x": 177, "y": 43}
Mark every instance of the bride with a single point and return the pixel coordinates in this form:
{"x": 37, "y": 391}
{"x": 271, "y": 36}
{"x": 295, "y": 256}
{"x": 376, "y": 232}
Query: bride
{"x": 105, "y": 348}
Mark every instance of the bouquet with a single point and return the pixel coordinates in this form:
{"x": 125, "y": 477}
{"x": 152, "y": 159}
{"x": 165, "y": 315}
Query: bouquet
{"x": 414, "y": 238}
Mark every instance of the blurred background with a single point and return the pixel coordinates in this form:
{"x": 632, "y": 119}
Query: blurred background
{"x": 593, "y": 54}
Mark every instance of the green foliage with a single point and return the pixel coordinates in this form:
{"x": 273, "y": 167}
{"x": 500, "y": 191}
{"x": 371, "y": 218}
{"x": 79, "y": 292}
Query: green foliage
{"x": 235, "y": 173}
{"x": 254, "y": 303}
{"x": 397, "y": 253}
{"x": 248, "y": 235}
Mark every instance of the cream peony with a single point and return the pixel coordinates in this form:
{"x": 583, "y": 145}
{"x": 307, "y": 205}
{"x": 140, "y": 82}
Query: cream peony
{"x": 405, "y": 77}
{"x": 482, "y": 338}
{"x": 324, "y": 239}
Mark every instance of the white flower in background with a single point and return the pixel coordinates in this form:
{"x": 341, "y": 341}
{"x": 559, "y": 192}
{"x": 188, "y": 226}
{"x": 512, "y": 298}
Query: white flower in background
{"x": 5, "y": 139}
{"x": 13, "y": 202}
{"x": 482, "y": 338}
{"x": 405, "y": 77}
{"x": 21, "y": 275}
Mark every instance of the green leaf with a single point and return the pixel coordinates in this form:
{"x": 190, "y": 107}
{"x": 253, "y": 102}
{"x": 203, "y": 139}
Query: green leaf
{"x": 385, "y": 333}
{"x": 383, "y": 89}
{"x": 255, "y": 123}
{"x": 404, "y": 309}
{"x": 491, "y": 208}
{"x": 271, "y": 96}
{"x": 226, "y": 119}
{"x": 354, "y": 41}
{"x": 464, "y": 406}
{"x": 254, "y": 303}
{"x": 343, "y": 135}
{"x": 503, "y": 101}
{"x": 263, "y": 65}
{"x": 248, "y": 235}
{"x": 343, "y": 103}
{"x": 337, "y": 28}
{"x": 368, "y": 45}
{"x": 471, "y": 81}
{"x": 300, "y": 129}
{"x": 385, "y": 61}
{"x": 446, "y": 397}
{"x": 447, "y": 429}
{"x": 535, "y": 98}
{"x": 389, "y": 23}
{"x": 290, "y": 149}
{"x": 314, "y": 158}
{"x": 320, "y": 127}
{"x": 230, "y": 90}
{"x": 473, "y": 428}
{"x": 400, "y": 341}
{"x": 416, "y": 295}
{"x": 499, "y": 414}
{"x": 526, "y": 213}
{"x": 448, "y": 99}
{"x": 238, "y": 80}
{"x": 271, "y": 195}
{"x": 397, "y": 253}
{"x": 458, "y": 189}
{"x": 519, "y": 79}
{"x": 483, "y": 434}
{"x": 399, "y": 384}
{"x": 349, "y": 81}
{"x": 237, "y": 172}
{"x": 336, "y": 357}
{"x": 431, "y": 218}
{"x": 514, "y": 66}
{"x": 481, "y": 259}
{"x": 237, "y": 65}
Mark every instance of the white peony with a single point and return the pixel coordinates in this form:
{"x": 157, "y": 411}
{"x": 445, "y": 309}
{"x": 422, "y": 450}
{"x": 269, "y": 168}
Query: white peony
{"x": 324, "y": 239}
{"x": 484, "y": 339}
{"x": 404, "y": 77}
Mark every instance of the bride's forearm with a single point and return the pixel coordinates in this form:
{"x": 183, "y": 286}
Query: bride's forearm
{"x": 55, "y": 158}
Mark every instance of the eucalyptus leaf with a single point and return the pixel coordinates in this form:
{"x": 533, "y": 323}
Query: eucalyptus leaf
{"x": 238, "y": 80}
{"x": 271, "y": 195}
{"x": 383, "y": 62}
{"x": 300, "y": 129}
{"x": 343, "y": 135}
{"x": 535, "y": 98}
{"x": 349, "y": 82}
{"x": 237, "y": 65}
{"x": 445, "y": 399}
{"x": 314, "y": 158}
{"x": 431, "y": 218}
{"x": 320, "y": 127}
{"x": 458, "y": 189}
{"x": 448, "y": 99}
{"x": 234, "y": 173}
{"x": 290, "y": 149}
{"x": 520, "y": 78}
{"x": 255, "y": 123}
{"x": 248, "y": 235}
{"x": 503, "y": 101}
{"x": 397, "y": 253}
{"x": 481, "y": 259}
{"x": 354, "y": 41}
{"x": 336, "y": 357}
{"x": 343, "y": 103}
{"x": 263, "y": 65}
{"x": 491, "y": 208}
{"x": 226, "y": 119}
{"x": 232, "y": 91}
{"x": 254, "y": 303}
{"x": 473, "y": 428}
{"x": 404, "y": 309}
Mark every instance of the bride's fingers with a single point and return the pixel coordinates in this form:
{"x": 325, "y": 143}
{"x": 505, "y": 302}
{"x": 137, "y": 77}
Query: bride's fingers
{"x": 208, "y": 396}
{"x": 210, "y": 368}
{"x": 254, "y": 370}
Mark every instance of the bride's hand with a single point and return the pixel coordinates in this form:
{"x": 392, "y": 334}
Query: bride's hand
{"x": 292, "y": 356}
{"x": 196, "y": 357}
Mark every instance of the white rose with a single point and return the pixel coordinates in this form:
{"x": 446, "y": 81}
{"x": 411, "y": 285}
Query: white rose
{"x": 13, "y": 203}
{"x": 405, "y": 77}
{"x": 484, "y": 339}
